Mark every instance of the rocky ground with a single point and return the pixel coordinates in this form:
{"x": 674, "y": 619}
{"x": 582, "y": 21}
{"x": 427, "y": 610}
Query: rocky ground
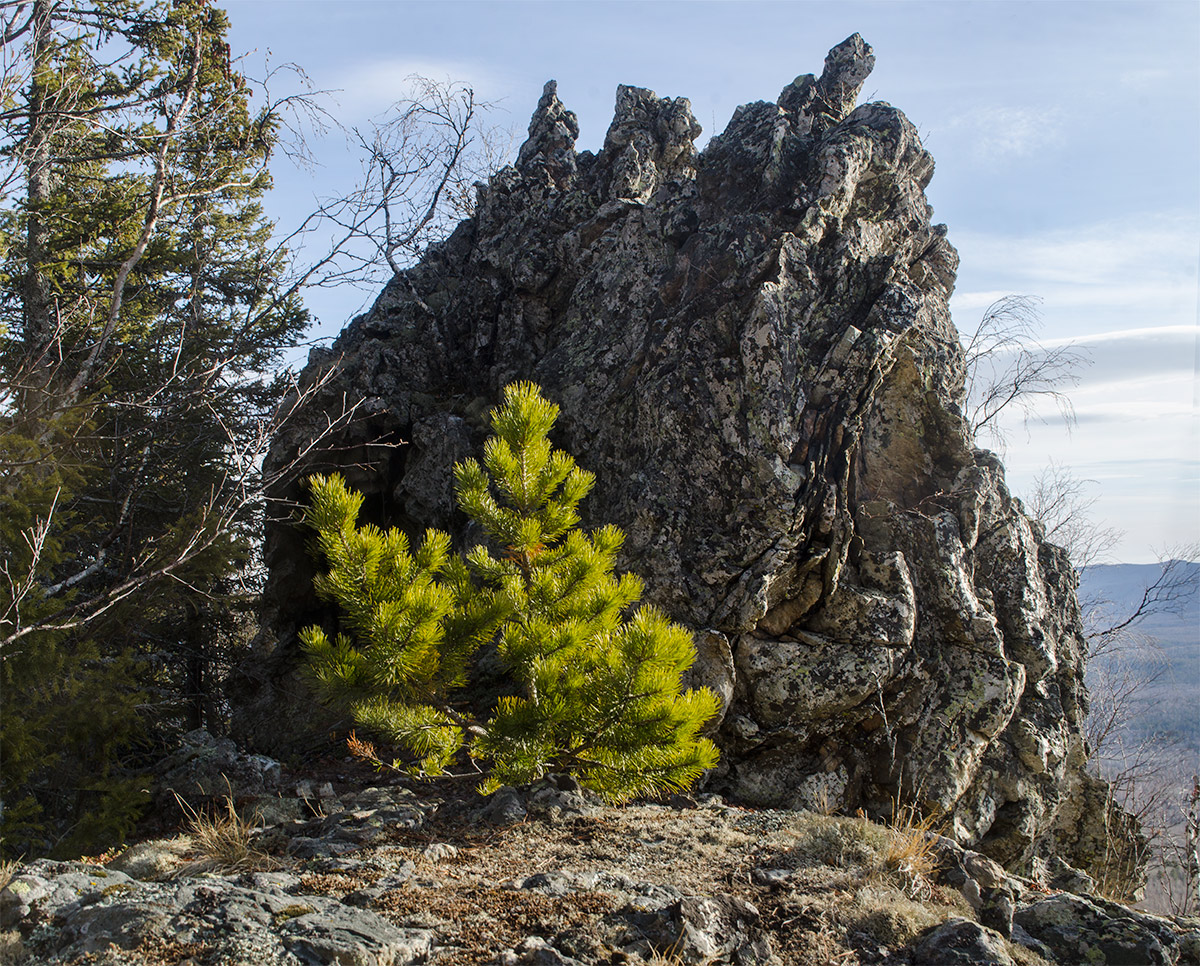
{"x": 335, "y": 872}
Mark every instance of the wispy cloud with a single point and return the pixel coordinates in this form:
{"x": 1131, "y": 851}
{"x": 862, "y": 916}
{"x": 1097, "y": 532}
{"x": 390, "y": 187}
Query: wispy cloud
{"x": 1126, "y": 290}
{"x": 1111, "y": 275}
{"x": 1131, "y": 357}
{"x": 366, "y": 89}
{"x": 1136, "y": 386}
{"x": 1153, "y": 247}
{"x": 998, "y": 134}
{"x": 1174, "y": 334}
{"x": 1144, "y": 461}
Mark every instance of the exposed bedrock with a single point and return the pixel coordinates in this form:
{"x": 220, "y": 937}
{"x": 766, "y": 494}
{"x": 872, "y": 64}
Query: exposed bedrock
{"x": 753, "y": 351}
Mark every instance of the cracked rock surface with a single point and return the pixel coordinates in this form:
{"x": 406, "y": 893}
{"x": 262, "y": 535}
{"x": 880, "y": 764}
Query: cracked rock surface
{"x": 753, "y": 352}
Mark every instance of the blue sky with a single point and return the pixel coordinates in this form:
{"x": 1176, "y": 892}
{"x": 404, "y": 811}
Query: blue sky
{"x": 1066, "y": 135}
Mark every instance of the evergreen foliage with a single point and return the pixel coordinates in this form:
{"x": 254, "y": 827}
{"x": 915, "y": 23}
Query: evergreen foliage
{"x": 141, "y": 303}
{"x": 598, "y": 689}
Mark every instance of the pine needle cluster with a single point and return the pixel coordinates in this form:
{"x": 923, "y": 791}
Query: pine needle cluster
{"x": 598, "y": 684}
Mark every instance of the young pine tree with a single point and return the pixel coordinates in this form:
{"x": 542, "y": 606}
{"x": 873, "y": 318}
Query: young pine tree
{"x": 416, "y": 618}
{"x": 598, "y": 689}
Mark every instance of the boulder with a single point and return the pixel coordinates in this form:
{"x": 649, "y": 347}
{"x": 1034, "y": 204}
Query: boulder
{"x": 152, "y": 860}
{"x": 753, "y": 351}
{"x": 77, "y": 910}
{"x": 1090, "y": 930}
{"x": 205, "y": 769}
{"x": 960, "y": 942}
{"x": 716, "y": 929}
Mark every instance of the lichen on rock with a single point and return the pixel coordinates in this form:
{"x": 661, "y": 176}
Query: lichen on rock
{"x": 753, "y": 351}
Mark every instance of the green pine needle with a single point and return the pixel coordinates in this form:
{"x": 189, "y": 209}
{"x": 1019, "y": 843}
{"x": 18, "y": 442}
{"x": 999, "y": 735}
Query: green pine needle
{"x": 600, "y": 693}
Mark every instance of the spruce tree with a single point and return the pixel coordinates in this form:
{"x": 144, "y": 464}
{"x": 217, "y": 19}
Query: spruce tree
{"x": 597, "y": 688}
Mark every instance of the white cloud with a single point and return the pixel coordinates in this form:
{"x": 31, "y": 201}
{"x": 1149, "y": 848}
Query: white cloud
{"x": 1146, "y": 466}
{"x": 366, "y": 89}
{"x": 1113, "y": 275}
{"x": 1150, "y": 409}
{"x": 1091, "y": 254}
{"x": 998, "y": 134}
{"x": 1127, "y": 292}
{"x": 1181, "y": 334}
{"x": 1159, "y": 363}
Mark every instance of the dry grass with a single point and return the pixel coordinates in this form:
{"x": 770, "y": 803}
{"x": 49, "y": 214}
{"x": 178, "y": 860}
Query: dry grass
{"x": 477, "y": 922}
{"x": 852, "y": 886}
{"x": 223, "y": 842}
{"x": 902, "y": 852}
{"x": 887, "y": 893}
{"x": 911, "y": 855}
{"x": 887, "y": 914}
{"x": 8, "y": 871}
{"x": 671, "y": 956}
{"x": 1023, "y": 956}
{"x": 840, "y": 841}
{"x": 822, "y": 944}
{"x": 12, "y": 950}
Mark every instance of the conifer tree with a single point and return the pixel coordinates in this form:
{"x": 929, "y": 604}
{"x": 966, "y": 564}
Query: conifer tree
{"x": 416, "y": 619}
{"x": 141, "y": 306}
{"x": 597, "y": 688}
{"x": 144, "y": 308}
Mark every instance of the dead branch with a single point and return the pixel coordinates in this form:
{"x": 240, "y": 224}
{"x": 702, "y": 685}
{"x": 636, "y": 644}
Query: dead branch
{"x": 1007, "y": 368}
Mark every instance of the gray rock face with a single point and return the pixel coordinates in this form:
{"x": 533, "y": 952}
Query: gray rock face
{"x": 753, "y": 351}
{"x": 204, "y": 769}
{"x": 1078, "y": 929}
{"x": 960, "y": 942}
{"x": 70, "y": 910}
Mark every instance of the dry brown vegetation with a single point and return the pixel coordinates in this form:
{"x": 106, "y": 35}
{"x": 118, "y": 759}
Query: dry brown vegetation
{"x": 7, "y": 871}
{"x": 849, "y": 881}
{"x": 223, "y": 841}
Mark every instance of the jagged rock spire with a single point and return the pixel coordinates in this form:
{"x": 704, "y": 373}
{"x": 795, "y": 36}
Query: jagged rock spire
{"x": 651, "y": 139}
{"x": 846, "y": 67}
{"x": 552, "y": 133}
{"x": 820, "y": 103}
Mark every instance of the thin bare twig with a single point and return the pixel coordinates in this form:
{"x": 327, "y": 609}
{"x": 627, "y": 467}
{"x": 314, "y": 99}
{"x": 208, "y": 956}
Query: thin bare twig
{"x": 1007, "y": 368}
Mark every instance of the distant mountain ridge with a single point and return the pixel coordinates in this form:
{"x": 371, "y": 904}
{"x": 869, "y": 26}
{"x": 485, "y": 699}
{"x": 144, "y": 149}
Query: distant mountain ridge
{"x": 1169, "y": 636}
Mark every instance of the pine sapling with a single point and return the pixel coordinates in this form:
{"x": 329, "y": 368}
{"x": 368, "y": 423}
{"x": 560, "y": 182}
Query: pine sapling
{"x": 414, "y": 618}
{"x": 598, "y": 689}
{"x": 600, "y": 692}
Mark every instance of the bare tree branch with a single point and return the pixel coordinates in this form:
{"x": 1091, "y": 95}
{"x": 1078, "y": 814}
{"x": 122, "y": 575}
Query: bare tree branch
{"x": 243, "y": 487}
{"x": 1007, "y": 368}
{"x": 1175, "y": 584}
{"x": 420, "y": 165}
{"x": 1061, "y": 504}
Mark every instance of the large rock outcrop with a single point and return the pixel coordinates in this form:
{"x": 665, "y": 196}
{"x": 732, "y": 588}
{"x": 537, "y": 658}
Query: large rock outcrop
{"x": 753, "y": 351}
